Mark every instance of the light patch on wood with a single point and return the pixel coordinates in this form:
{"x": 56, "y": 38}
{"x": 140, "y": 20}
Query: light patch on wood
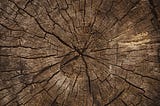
{"x": 136, "y": 41}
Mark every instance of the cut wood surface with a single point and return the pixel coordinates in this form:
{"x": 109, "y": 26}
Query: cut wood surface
{"x": 79, "y": 53}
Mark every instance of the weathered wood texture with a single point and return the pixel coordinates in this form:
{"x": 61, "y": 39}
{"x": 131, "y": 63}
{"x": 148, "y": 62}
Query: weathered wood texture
{"x": 79, "y": 53}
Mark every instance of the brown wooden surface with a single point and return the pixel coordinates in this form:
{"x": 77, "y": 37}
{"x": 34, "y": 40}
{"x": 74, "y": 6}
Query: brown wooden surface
{"x": 79, "y": 53}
